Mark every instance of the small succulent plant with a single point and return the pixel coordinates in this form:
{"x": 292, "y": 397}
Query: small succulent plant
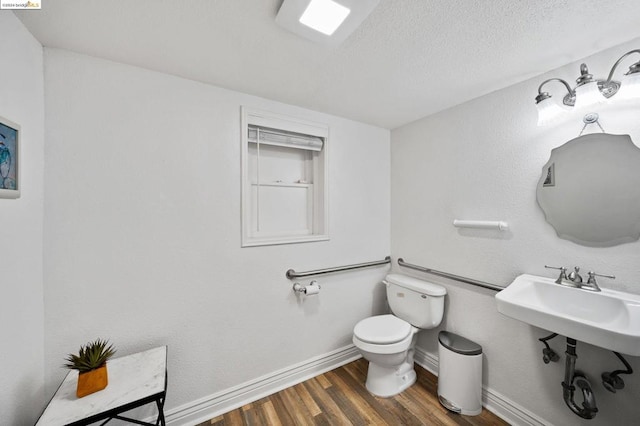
{"x": 91, "y": 356}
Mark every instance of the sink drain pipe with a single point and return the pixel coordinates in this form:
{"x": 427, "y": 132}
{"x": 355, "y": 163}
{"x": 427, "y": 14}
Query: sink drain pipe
{"x": 612, "y": 381}
{"x": 549, "y": 354}
{"x": 573, "y": 379}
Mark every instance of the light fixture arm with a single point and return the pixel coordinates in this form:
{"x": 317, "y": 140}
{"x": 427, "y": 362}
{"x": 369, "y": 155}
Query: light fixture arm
{"x": 637, "y": 65}
{"x": 569, "y": 89}
{"x": 585, "y": 77}
{"x": 568, "y": 98}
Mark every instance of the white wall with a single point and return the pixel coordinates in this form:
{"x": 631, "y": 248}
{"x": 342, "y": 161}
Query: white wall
{"x": 142, "y": 230}
{"x": 482, "y": 160}
{"x": 21, "y": 300}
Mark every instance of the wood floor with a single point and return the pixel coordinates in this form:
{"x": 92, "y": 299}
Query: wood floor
{"x": 339, "y": 397}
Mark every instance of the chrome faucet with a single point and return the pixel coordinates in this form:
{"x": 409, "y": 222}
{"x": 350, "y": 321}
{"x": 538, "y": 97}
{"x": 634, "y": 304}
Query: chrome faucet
{"x": 575, "y": 276}
{"x": 574, "y": 279}
{"x": 592, "y": 285}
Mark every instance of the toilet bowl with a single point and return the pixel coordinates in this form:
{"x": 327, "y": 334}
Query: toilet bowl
{"x": 388, "y": 341}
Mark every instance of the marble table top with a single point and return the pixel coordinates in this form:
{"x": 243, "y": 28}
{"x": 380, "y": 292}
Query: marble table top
{"x": 131, "y": 378}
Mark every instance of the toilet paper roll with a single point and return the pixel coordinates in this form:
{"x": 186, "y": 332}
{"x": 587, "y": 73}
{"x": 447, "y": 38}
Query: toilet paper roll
{"x": 311, "y": 290}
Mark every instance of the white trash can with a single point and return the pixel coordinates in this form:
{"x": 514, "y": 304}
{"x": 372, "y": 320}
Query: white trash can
{"x": 460, "y": 374}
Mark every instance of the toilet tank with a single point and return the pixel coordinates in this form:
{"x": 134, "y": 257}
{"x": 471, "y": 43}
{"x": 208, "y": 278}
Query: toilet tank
{"x": 418, "y": 302}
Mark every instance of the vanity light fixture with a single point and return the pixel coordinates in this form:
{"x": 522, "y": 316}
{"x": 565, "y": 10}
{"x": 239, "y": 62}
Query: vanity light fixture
{"x": 327, "y": 22}
{"x": 589, "y": 91}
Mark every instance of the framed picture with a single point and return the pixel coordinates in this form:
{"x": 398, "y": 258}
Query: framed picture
{"x": 9, "y": 159}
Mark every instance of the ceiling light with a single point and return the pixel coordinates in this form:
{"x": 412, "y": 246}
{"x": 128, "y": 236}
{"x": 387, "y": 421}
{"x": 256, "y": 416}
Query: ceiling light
{"x": 324, "y": 16}
{"x": 327, "y": 22}
{"x": 589, "y": 91}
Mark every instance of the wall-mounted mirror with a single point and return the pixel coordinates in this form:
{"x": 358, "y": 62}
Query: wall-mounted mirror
{"x": 590, "y": 190}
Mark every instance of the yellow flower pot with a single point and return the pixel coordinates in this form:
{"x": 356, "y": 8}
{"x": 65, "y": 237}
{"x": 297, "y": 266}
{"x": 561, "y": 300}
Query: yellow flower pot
{"x": 92, "y": 381}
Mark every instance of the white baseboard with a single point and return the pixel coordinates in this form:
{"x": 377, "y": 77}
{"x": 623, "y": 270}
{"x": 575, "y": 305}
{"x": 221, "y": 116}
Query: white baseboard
{"x": 229, "y": 399}
{"x": 508, "y": 410}
{"x": 426, "y": 360}
{"x": 493, "y": 401}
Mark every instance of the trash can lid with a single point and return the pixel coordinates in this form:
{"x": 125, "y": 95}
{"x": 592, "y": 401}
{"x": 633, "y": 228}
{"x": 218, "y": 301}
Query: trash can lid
{"x": 459, "y": 344}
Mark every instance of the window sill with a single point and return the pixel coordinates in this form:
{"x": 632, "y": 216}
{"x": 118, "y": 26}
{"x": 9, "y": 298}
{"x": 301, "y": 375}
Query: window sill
{"x": 271, "y": 241}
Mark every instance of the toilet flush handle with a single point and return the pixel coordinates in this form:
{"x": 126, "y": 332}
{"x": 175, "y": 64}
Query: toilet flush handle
{"x": 385, "y": 282}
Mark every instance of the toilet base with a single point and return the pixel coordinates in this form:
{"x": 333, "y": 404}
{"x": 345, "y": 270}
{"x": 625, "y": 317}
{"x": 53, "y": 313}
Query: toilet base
{"x": 386, "y": 382}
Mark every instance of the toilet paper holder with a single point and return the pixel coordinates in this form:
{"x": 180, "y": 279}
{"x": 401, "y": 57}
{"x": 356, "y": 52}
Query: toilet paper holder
{"x": 312, "y": 288}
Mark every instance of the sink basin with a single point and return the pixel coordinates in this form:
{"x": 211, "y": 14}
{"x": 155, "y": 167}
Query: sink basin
{"x": 609, "y": 319}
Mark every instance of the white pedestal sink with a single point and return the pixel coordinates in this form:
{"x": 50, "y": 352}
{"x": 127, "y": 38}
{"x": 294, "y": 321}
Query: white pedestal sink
{"x": 609, "y": 319}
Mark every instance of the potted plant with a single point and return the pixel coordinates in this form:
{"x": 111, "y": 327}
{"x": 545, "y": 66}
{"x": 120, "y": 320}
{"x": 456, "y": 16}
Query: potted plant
{"x": 91, "y": 363}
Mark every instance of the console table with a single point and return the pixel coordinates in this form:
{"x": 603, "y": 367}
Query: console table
{"x": 134, "y": 380}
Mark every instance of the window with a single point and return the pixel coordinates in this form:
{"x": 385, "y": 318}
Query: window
{"x": 284, "y": 179}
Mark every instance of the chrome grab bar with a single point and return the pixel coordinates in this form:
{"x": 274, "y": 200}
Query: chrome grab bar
{"x": 291, "y": 274}
{"x": 482, "y": 284}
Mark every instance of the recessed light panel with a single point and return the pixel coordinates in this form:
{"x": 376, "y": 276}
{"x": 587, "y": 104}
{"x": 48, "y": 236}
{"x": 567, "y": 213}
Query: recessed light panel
{"x": 327, "y": 22}
{"x": 324, "y": 16}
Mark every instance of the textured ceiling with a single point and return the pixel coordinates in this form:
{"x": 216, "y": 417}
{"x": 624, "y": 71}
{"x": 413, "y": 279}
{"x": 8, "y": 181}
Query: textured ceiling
{"x": 409, "y": 59}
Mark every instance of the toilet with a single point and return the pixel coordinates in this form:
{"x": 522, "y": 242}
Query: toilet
{"x": 388, "y": 341}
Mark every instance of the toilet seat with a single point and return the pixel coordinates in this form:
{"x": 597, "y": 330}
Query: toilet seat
{"x": 382, "y": 330}
{"x": 397, "y": 333}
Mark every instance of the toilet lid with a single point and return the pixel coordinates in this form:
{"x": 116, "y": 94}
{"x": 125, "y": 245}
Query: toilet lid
{"x": 382, "y": 329}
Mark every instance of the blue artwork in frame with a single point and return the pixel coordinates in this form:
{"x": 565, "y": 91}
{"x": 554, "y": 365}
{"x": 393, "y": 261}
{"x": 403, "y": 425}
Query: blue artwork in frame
{"x": 9, "y": 159}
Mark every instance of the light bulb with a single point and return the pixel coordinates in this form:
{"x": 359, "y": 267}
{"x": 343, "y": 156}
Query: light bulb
{"x": 588, "y": 95}
{"x": 548, "y": 112}
{"x": 629, "y": 88}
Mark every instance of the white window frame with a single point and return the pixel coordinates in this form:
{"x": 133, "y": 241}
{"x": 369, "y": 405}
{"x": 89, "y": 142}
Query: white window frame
{"x": 320, "y": 209}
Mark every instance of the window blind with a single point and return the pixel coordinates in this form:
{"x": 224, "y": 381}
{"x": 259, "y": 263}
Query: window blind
{"x": 278, "y": 137}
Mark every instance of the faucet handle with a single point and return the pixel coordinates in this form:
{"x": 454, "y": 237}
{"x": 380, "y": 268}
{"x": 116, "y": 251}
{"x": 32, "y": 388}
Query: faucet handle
{"x": 563, "y": 272}
{"x": 560, "y": 268}
{"x": 593, "y": 275}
